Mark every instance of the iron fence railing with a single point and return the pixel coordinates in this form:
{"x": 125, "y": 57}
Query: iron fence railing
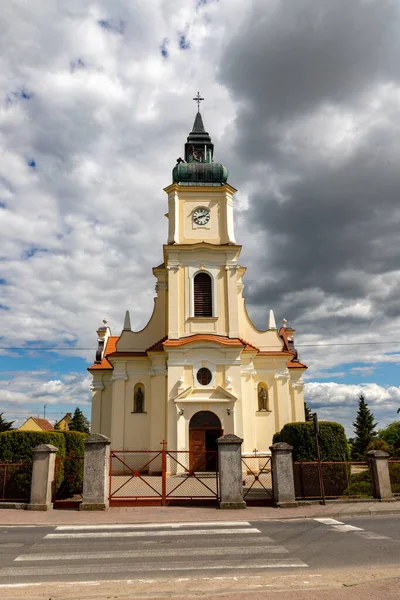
{"x": 163, "y": 476}
{"x": 15, "y": 481}
{"x": 340, "y": 479}
{"x": 394, "y": 473}
{"x": 68, "y": 481}
{"x": 257, "y": 478}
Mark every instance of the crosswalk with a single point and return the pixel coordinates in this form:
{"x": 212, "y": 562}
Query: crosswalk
{"x": 100, "y": 552}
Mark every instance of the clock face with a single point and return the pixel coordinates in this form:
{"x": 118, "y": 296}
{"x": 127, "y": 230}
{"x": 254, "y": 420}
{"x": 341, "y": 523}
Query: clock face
{"x": 201, "y": 216}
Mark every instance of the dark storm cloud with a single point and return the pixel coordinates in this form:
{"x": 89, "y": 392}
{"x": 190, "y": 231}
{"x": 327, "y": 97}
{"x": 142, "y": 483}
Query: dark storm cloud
{"x": 318, "y": 148}
{"x": 290, "y": 56}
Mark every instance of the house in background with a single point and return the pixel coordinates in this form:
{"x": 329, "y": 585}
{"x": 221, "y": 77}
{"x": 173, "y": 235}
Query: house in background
{"x": 64, "y": 423}
{"x": 36, "y": 424}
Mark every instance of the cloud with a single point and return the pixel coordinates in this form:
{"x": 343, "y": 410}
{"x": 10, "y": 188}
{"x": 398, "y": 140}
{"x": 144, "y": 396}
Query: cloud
{"x": 339, "y": 402}
{"x": 303, "y": 104}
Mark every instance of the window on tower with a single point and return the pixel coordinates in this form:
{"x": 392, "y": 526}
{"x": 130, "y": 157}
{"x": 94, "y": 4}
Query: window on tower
{"x": 202, "y": 295}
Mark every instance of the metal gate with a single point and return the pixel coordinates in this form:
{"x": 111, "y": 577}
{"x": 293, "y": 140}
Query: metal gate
{"x": 163, "y": 477}
{"x": 257, "y": 479}
{"x": 68, "y": 482}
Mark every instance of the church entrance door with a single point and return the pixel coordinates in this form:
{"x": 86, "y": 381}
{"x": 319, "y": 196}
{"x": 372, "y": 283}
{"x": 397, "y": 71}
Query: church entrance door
{"x": 204, "y": 430}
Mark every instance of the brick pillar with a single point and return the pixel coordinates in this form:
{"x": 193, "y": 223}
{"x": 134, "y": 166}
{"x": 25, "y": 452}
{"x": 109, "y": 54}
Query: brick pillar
{"x": 230, "y": 471}
{"x": 96, "y": 473}
{"x": 282, "y": 475}
{"x": 379, "y": 469}
{"x": 44, "y": 462}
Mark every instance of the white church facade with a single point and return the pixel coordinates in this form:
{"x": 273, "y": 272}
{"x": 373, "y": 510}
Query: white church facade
{"x": 200, "y": 368}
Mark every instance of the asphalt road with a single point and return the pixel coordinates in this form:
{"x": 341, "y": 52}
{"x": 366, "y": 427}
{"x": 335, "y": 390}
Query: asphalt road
{"x": 174, "y": 551}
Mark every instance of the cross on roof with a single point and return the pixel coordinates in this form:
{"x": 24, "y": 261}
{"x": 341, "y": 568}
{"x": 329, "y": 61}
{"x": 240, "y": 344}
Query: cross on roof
{"x": 198, "y": 99}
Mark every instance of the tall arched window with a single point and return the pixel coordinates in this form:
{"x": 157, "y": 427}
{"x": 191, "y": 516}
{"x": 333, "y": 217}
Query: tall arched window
{"x": 202, "y": 295}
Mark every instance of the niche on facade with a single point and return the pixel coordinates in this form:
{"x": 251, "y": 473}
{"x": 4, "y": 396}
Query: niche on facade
{"x": 138, "y": 398}
{"x": 263, "y": 397}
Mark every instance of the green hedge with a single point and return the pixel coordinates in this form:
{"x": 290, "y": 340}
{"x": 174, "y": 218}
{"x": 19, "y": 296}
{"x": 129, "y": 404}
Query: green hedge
{"x": 72, "y": 483}
{"x": 332, "y": 441}
{"x": 394, "y": 471}
{"x": 16, "y": 446}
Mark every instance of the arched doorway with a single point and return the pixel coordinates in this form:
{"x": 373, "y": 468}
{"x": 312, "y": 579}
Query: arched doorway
{"x": 204, "y": 430}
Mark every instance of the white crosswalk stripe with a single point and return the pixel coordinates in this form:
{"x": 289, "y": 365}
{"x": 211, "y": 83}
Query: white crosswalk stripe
{"x": 344, "y": 528}
{"x": 219, "y": 551}
{"x": 102, "y": 534}
{"x": 134, "y": 550}
{"x": 118, "y": 526}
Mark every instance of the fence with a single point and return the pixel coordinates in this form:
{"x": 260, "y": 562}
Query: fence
{"x": 340, "y": 479}
{"x": 394, "y": 473}
{"x": 15, "y": 481}
{"x": 257, "y": 479}
{"x": 162, "y": 477}
{"x": 68, "y": 482}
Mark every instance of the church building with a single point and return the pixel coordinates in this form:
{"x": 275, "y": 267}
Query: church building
{"x": 200, "y": 368}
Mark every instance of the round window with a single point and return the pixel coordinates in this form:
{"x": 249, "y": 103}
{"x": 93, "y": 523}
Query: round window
{"x": 204, "y": 376}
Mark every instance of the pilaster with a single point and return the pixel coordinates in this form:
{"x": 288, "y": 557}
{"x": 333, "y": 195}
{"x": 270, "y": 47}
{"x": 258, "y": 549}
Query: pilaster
{"x": 119, "y": 378}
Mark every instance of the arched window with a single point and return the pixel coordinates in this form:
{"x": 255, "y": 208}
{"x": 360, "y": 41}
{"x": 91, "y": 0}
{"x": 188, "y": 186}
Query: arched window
{"x": 138, "y": 398}
{"x": 263, "y": 400}
{"x": 202, "y": 295}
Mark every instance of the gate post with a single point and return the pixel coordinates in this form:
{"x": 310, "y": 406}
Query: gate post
{"x": 230, "y": 471}
{"x": 282, "y": 475}
{"x": 379, "y": 469}
{"x": 44, "y": 462}
{"x": 96, "y": 473}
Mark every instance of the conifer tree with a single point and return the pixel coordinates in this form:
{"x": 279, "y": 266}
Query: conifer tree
{"x": 307, "y": 412}
{"x": 5, "y": 425}
{"x": 364, "y": 429}
{"x": 79, "y": 422}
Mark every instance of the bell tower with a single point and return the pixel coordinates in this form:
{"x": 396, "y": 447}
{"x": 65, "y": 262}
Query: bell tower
{"x": 200, "y": 201}
{"x": 201, "y": 254}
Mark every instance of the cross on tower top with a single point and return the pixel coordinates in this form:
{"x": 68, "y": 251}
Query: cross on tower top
{"x": 198, "y": 99}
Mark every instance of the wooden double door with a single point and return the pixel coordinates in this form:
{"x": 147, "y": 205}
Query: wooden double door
{"x": 204, "y": 430}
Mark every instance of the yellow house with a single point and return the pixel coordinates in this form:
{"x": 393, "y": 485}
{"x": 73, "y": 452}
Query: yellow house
{"x": 63, "y": 424}
{"x": 36, "y": 424}
{"x": 199, "y": 368}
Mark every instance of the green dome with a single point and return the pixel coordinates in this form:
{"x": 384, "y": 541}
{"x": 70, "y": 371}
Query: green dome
{"x": 199, "y": 173}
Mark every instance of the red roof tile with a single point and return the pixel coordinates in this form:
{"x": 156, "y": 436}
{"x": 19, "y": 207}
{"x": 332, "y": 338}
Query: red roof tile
{"x": 296, "y": 365}
{"x": 110, "y": 349}
{"x": 43, "y": 424}
{"x": 158, "y": 346}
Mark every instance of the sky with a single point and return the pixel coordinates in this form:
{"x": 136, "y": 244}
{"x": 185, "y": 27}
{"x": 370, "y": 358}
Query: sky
{"x": 302, "y": 100}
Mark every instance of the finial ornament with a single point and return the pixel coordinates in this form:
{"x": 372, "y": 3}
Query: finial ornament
{"x": 284, "y": 323}
{"x": 105, "y": 321}
{"x": 271, "y": 320}
{"x": 198, "y": 99}
{"x": 127, "y": 324}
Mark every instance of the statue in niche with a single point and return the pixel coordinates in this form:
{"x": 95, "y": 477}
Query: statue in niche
{"x": 139, "y": 400}
{"x": 262, "y": 399}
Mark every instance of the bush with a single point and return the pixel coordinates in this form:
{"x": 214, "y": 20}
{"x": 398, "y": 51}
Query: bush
{"x": 391, "y": 435}
{"x": 394, "y": 472}
{"x": 360, "y": 484}
{"x": 276, "y": 437}
{"x": 73, "y": 469}
{"x": 16, "y": 446}
{"x": 332, "y": 441}
{"x": 379, "y": 445}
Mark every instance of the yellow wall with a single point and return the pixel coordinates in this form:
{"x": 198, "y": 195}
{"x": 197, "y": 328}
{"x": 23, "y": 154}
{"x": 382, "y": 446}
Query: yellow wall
{"x": 30, "y": 425}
